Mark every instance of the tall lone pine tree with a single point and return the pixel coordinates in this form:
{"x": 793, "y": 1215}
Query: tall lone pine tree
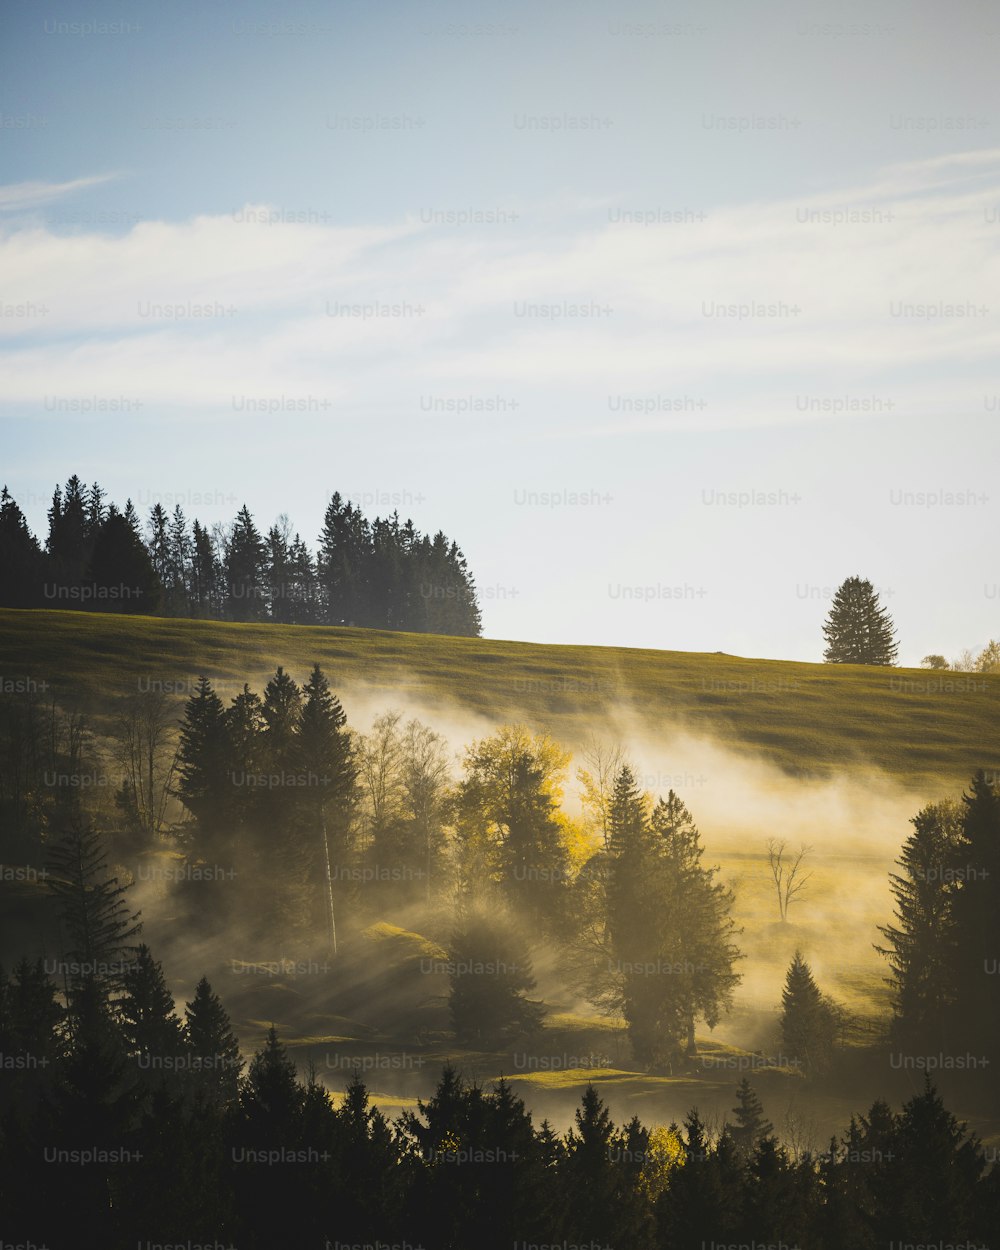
{"x": 858, "y": 630}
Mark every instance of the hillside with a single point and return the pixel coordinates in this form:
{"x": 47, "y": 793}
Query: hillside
{"x": 927, "y": 728}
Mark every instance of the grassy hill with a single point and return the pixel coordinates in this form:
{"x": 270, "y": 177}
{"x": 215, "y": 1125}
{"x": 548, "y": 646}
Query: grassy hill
{"x": 928, "y": 728}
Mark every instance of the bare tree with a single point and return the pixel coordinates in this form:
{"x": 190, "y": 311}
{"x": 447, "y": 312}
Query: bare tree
{"x": 380, "y": 766}
{"x": 604, "y": 761}
{"x": 147, "y": 754}
{"x": 788, "y": 880}
{"x": 426, "y": 777}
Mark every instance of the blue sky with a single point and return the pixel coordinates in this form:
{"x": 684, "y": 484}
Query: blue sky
{"x": 674, "y": 316}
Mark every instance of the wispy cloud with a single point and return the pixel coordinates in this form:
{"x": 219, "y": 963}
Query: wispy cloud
{"x": 842, "y": 290}
{"x": 23, "y": 195}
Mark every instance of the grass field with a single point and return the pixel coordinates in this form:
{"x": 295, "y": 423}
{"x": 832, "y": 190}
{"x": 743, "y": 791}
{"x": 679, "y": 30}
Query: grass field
{"x": 929, "y": 729}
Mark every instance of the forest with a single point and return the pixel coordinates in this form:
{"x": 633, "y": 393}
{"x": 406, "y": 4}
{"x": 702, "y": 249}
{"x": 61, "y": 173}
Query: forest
{"x": 380, "y": 574}
{"x": 286, "y": 827}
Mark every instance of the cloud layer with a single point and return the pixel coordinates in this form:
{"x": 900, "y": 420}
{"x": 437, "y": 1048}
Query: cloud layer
{"x": 605, "y": 308}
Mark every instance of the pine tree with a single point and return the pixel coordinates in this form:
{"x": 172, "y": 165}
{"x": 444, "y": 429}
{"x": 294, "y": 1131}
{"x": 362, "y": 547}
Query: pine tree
{"x": 245, "y": 559}
{"x": 96, "y": 923}
{"x": 283, "y": 848}
{"x": 704, "y": 1193}
{"x": 271, "y": 1098}
{"x": 920, "y": 946}
{"x": 149, "y": 1025}
{"x": 601, "y": 1196}
{"x": 121, "y": 572}
{"x": 178, "y": 596}
{"x": 751, "y": 1124}
{"x": 931, "y": 1190}
{"x": 206, "y": 575}
{"x": 30, "y": 1014}
{"x": 21, "y": 558}
{"x": 278, "y": 565}
{"x": 343, "y": 562}
{"x": 643, "y": 942}
{"x": 158, "y": 544}
{"x": 858, "y": 629}
{"x": 204, "y": 784}
{"x": 324, "y": 752}
{"x": 213, "y": 1046}
{"x": 808, "y": 1025}
{"x": 69, "y": 541}
{"x": 696, "y": 909}
{"x": 975, "y": 908}
{"x": 534, "y": 866}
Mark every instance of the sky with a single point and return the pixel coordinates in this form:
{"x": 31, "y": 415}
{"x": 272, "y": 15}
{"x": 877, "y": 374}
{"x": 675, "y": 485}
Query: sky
{"x": 673, "y": 316}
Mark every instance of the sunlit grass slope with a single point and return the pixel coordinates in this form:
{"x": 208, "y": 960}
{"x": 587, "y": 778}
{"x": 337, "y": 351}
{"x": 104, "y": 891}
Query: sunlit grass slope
{"x": 806, "y": 718}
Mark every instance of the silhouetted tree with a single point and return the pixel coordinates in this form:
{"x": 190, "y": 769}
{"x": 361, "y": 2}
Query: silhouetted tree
{"x": 858, "y": 629}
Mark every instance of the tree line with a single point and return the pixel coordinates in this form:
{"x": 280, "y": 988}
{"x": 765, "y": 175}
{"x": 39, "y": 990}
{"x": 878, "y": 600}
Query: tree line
{"x": 380, "y": 574}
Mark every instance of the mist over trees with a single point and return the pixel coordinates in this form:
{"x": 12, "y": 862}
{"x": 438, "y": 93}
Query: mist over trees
{"x": 379, "y": 574}
{"x": 295, "y": 830}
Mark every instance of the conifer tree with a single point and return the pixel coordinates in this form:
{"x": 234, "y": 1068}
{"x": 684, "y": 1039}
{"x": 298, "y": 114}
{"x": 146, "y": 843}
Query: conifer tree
{"x": 271, "y": 1098}
{"x": 213, "y": 1046}
{"x": 120, "y": 572}
{"x": 150, "y": 1028}
{"x": 751, "y": 1123}
{"x": 808, "y": 1024}
{"x": 96, "y": 924}
{"x": 643, "y": 942}
{"x": 204, "y": 764}
{"x": 158, "y": 544}
{"x": 975, "y": 908}
{"x": 858, "y": 629}
{"x": 206, "y": 575}
{"x": 696, "y": 911}
{"x": 920, "y": 945}
{"x": 324, "y": 753}
{"x": 21, "y": 561}
{"x": 245, "y": 559}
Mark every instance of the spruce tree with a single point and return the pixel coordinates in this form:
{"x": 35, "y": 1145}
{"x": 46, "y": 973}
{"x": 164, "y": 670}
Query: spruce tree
{"x": 21, "y": 560}
{"x": 158, "y": 544}
{"x": 96, "y": 923}
{"x": 121, "y": 573}
{"x": 920, "y": 945}
{"x": 975, "y": 908}
{"x": 178, "y": 601}
{"x": 601, "y": 1196}
{"x": 808, "y": 1025}
{"x": 271, "y": 1097}
{"x": 69, "y": 541}
{"x": 206, "y": 575}
{"x": 751, "y": 1123}
{"x": 534, "y": 866}
{"x": 246, "y": 594}
{"x": 643, "y": 942}
{"x": 150, "y": 1028}
{"x": 696, "y": 910}
{"x": 858, "y": 629}
{"x": 324, "y": 753}
{"x": 204, "y": 784}
{"x": 213, "y": 1046}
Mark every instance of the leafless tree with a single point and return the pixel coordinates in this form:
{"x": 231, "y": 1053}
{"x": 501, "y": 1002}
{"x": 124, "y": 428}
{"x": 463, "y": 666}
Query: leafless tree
{"x": 604, "y": 761}
{"x": 788, "y": 880}
{"x": 147, "y": 754}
